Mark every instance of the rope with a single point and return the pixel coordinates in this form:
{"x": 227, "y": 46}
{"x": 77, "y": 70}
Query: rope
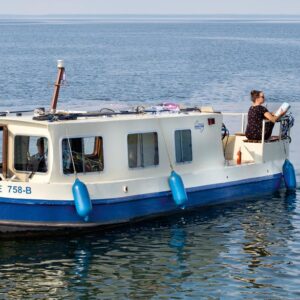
{"x": 225, "y": 133}
{"x": 72, "y": 158}
{"x": 168, "y": 152}
{"x": 286, "y": 124}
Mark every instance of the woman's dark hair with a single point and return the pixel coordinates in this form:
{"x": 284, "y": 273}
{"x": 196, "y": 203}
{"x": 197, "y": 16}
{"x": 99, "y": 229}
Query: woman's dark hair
{"x": 254, "y": 95}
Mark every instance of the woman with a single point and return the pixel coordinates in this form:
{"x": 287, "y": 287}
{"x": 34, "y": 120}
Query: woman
{"x": 256, "y": 114}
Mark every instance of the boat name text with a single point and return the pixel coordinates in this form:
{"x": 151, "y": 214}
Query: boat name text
{"x": 17, "y": 189}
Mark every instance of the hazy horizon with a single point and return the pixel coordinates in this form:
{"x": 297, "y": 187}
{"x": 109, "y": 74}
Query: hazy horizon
{"x": 137, "y": 7}
{"x": 155, "y": 14}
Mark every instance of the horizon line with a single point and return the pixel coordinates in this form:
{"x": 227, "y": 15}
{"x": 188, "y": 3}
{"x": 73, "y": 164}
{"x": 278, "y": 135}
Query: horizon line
{"x": 152, "y": 14}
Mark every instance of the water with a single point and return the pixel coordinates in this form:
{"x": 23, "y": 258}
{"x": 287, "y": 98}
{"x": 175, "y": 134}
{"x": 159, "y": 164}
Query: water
{"x": 241, "y": 250}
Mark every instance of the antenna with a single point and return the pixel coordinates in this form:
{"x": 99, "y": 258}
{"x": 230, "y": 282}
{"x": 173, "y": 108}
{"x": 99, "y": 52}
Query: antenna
{"x": 59, "y": 79}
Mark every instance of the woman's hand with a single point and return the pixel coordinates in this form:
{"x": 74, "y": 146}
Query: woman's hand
{"x": 283, "y": 112}
{"x": 272, "y": 117}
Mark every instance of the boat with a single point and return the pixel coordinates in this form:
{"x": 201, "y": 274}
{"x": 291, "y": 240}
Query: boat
{"x": 81, "y": 170}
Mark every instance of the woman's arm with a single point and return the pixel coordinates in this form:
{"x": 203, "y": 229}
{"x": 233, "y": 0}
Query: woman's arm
{"x": 273, "y": 118}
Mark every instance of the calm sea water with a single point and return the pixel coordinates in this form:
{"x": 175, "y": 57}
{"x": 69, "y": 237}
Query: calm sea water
{"x": 241, "y": 250}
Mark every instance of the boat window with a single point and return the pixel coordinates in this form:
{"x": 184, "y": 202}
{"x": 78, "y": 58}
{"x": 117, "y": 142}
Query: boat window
{"x": 31, "y": 153}
{"x": 183, "y": 146}
{"x": 87, "y": 155}
{"x": 142, "y": 150}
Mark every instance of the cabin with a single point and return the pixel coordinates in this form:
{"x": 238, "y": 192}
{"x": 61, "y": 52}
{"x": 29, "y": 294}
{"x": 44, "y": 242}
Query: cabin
{"x": 114, "y": 147}
{"x": 109, "y": 148}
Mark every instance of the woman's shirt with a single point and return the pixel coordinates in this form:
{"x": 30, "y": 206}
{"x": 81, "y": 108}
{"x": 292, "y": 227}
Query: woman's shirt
{"x": 255, "y": 121}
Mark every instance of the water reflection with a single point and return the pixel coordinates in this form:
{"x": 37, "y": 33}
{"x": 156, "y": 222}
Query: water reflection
{"x": 224, "y": 250}
{"x": 267, "y": 228}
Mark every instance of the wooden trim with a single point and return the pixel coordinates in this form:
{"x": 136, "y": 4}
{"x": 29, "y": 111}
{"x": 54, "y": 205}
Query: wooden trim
{"x": 252, "y": 141}
{"x": 240, "y": 134}
{"x": 4, "y": 150}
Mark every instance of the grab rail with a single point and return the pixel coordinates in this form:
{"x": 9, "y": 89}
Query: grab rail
{"x": 243, "y": 123}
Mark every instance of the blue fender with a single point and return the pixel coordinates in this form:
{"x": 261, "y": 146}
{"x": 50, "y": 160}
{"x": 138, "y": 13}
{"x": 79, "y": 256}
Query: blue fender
{"x": 177, "y": 189}
{"x": 289, "y": 175}
{"x": 82, "y": 199}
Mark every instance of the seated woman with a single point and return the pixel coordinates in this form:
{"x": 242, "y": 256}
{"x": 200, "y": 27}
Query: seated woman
{"x": 256, "y": 114}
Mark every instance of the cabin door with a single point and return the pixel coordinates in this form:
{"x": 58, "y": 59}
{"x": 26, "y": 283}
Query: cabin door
{"x": 3, "y": 151}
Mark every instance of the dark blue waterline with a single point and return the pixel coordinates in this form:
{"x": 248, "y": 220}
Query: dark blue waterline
{"x": 142, "y": 206}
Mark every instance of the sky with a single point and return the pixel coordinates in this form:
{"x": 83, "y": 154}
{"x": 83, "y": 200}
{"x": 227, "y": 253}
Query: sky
{"x": 29, "y": 7}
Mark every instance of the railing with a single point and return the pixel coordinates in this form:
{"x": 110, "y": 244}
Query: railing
{"x": 243, "y": 118}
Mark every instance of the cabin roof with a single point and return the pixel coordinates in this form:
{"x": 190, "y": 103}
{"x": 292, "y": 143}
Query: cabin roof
{"x": 86, "y": 117}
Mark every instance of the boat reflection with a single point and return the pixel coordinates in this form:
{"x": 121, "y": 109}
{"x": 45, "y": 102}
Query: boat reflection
{"x": 205, "y": 253}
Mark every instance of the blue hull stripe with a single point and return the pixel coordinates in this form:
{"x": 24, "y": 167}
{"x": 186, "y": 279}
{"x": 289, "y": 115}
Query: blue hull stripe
{"x": 142, "y": 196}
{"x": 118, "y": 210}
